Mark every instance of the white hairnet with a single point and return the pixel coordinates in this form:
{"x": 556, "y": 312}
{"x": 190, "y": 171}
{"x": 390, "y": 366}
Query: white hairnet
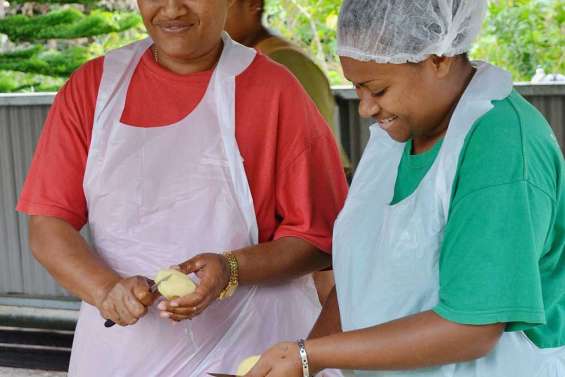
{"x": 400, "y": 31}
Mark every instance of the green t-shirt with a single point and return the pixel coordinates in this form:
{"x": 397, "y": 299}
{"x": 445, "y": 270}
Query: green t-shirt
{"x": 503, "y": 253}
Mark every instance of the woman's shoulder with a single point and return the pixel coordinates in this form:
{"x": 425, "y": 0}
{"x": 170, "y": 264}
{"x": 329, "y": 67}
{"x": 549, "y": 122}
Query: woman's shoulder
{"x": 89, "y": 71}
{"x": 264, "y": 72}
{"x": 83, "y": 84}
{"x": 511, "y": 143}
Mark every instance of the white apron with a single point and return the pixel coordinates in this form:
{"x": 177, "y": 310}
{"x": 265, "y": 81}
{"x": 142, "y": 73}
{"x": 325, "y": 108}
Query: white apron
{"x": 159, "y": 196}
{"x": 386, "y": 256}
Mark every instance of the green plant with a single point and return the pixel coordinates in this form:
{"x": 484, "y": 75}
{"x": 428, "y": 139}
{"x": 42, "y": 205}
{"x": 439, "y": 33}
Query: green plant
{"x": 521, "y": 35}
{"x": 312, "y": 25}
{"x": 49, "y": 39}
{"x": 518, "y": 35}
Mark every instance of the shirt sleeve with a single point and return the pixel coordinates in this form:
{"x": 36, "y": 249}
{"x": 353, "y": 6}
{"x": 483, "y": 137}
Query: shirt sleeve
{"x": 53, "y": 186}
{"x": 316, "y": 85}
{"x": 489, "y": 264}
{"x": 311, "y": 186}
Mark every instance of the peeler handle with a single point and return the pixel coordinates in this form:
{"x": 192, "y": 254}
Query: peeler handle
{"x": 109, "y": 323}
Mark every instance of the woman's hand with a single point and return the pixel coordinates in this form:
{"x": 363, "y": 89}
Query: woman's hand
{"x": 126, "y": 301}
{"x": 214, "y": 274}
{"x": 282, "y": 360}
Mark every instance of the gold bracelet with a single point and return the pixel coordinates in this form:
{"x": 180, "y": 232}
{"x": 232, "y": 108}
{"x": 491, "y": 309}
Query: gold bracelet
{"x": 229, "y": 290}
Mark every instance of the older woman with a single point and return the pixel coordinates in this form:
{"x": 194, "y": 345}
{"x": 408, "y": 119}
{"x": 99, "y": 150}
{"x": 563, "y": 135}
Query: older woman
{"x": 449, "y": 254}
{"x": 189, "y": 149}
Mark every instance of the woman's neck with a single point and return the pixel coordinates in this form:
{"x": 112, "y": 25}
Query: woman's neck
{"x": 462, "y": 77}
{"x": 257, "y": 36}
{"x": 185, "y": 66}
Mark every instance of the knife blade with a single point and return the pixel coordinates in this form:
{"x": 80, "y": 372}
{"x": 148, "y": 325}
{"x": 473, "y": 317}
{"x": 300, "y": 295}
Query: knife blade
{"x": 222, "y": 375}
{"x": 153, "y": 288}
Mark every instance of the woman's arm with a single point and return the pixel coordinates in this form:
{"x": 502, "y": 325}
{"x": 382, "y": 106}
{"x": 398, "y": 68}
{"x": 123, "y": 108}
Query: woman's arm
{"x": 419, "y": 341}
{"x": 67, "y": 257}
{"x": 285, "y": 258}
{"x": 268, "y": 262}
{"x": 329, "y": 321}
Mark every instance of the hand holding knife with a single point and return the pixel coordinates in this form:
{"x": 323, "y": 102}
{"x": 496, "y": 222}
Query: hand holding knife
{"x": 153, "y": 288}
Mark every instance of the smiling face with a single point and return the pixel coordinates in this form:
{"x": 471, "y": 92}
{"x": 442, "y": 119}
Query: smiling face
{"x": 184, "y": 29}
{"x": 407, "y": 100}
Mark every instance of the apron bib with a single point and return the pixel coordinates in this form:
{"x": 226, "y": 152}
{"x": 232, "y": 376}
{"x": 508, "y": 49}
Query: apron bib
{"x": 159, "y": 196}
{"x": 386, "y": 257}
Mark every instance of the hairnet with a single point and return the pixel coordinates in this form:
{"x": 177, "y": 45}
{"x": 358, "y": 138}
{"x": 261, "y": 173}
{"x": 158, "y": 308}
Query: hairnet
{"x": 400, "y": 31}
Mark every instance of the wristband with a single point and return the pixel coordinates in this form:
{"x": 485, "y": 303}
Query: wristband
{"x": 303, "y": 358}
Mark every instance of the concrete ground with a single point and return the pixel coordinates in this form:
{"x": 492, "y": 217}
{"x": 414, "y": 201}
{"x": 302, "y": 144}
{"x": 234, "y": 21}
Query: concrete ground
{"x": 14, "y": 372}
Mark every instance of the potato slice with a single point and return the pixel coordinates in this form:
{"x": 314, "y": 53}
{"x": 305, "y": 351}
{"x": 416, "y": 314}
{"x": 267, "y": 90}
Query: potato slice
{"x": 247, "y": 364}
{"x": 177, "y": 285}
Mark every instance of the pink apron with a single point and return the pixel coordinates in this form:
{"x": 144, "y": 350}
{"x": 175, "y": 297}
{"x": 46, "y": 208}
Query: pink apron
{"x": 158, "y": 196}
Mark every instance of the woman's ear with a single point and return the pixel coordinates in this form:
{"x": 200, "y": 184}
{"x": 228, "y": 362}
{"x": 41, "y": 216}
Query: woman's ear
{"x": 255, "y": 5}
{"x": 440, "y": 65}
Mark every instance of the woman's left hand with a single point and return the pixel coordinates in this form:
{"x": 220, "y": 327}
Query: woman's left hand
{"x": 214, "y": 274}
{"x": 282, "y": 360}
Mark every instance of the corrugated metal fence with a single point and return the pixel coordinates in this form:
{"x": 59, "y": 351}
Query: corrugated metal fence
{"x": 21, "y": 120}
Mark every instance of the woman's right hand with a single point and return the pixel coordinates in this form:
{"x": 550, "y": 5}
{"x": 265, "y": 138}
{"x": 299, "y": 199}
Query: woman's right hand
{"x": 126, "y": 301}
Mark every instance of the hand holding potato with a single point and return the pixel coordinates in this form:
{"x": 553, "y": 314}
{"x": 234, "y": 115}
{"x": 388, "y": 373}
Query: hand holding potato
{"x": 281, "y": 360}
{"x": 173, "y": 284}
{"x": 214, "y": 274}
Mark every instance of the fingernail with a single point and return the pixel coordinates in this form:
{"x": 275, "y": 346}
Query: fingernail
{"x": 162, "y": 305}
{"x": 165, "y": 314}
{"x": 175, "y": 304}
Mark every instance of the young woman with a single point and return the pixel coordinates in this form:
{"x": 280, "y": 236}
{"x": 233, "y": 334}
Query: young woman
{"x": 449, "y": 254}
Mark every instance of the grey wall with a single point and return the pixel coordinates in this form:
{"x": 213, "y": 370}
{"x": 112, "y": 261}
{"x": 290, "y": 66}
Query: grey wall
{"x": 21, "y": 120}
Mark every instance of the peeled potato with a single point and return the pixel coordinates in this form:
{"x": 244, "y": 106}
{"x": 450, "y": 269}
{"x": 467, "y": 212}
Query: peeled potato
{"x": 246, "y": 365}
{"x": 177, "y": 285}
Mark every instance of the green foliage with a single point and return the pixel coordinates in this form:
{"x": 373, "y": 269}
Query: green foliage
{"x": 45, "y": 62}
{"x": 68, "y": 23}
{"x": 312, "y": 25}
{"x": 12, "y": 81}
{"x": 521, "y": 35}
{"x": 46, "y": 47}
{"x": 85, "y": 2}
{"x": 518, "y": 35}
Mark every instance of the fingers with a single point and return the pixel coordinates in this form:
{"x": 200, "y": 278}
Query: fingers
{"x": 136, "y": 308}
{"x": 211, "y": 270}
{"x": 191, "y": 265}
{"x": 125, "y": 316}
{"x": 184, "y": 308}
{"x": 142, "y": 293}
{"x": 127, "y": 301}
{"x": 190, "y": 305}
{"x": 108, "y": 311}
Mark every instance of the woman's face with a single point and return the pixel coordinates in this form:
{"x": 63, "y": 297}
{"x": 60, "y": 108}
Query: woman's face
{"x": 184, "y": 29}
{"x": 407, "y": 100}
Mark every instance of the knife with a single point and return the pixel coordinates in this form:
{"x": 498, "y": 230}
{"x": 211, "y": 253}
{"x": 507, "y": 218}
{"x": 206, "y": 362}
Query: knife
{"x": 153, "y": 288}
{"x": 222, "y": 375}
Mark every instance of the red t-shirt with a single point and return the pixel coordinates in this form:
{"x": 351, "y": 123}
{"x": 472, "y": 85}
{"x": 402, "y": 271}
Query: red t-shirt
{"x": 291, "y": 160}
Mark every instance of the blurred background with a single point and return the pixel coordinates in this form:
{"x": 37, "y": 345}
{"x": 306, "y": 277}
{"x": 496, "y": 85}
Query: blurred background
{"x": 42, "y": 42}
